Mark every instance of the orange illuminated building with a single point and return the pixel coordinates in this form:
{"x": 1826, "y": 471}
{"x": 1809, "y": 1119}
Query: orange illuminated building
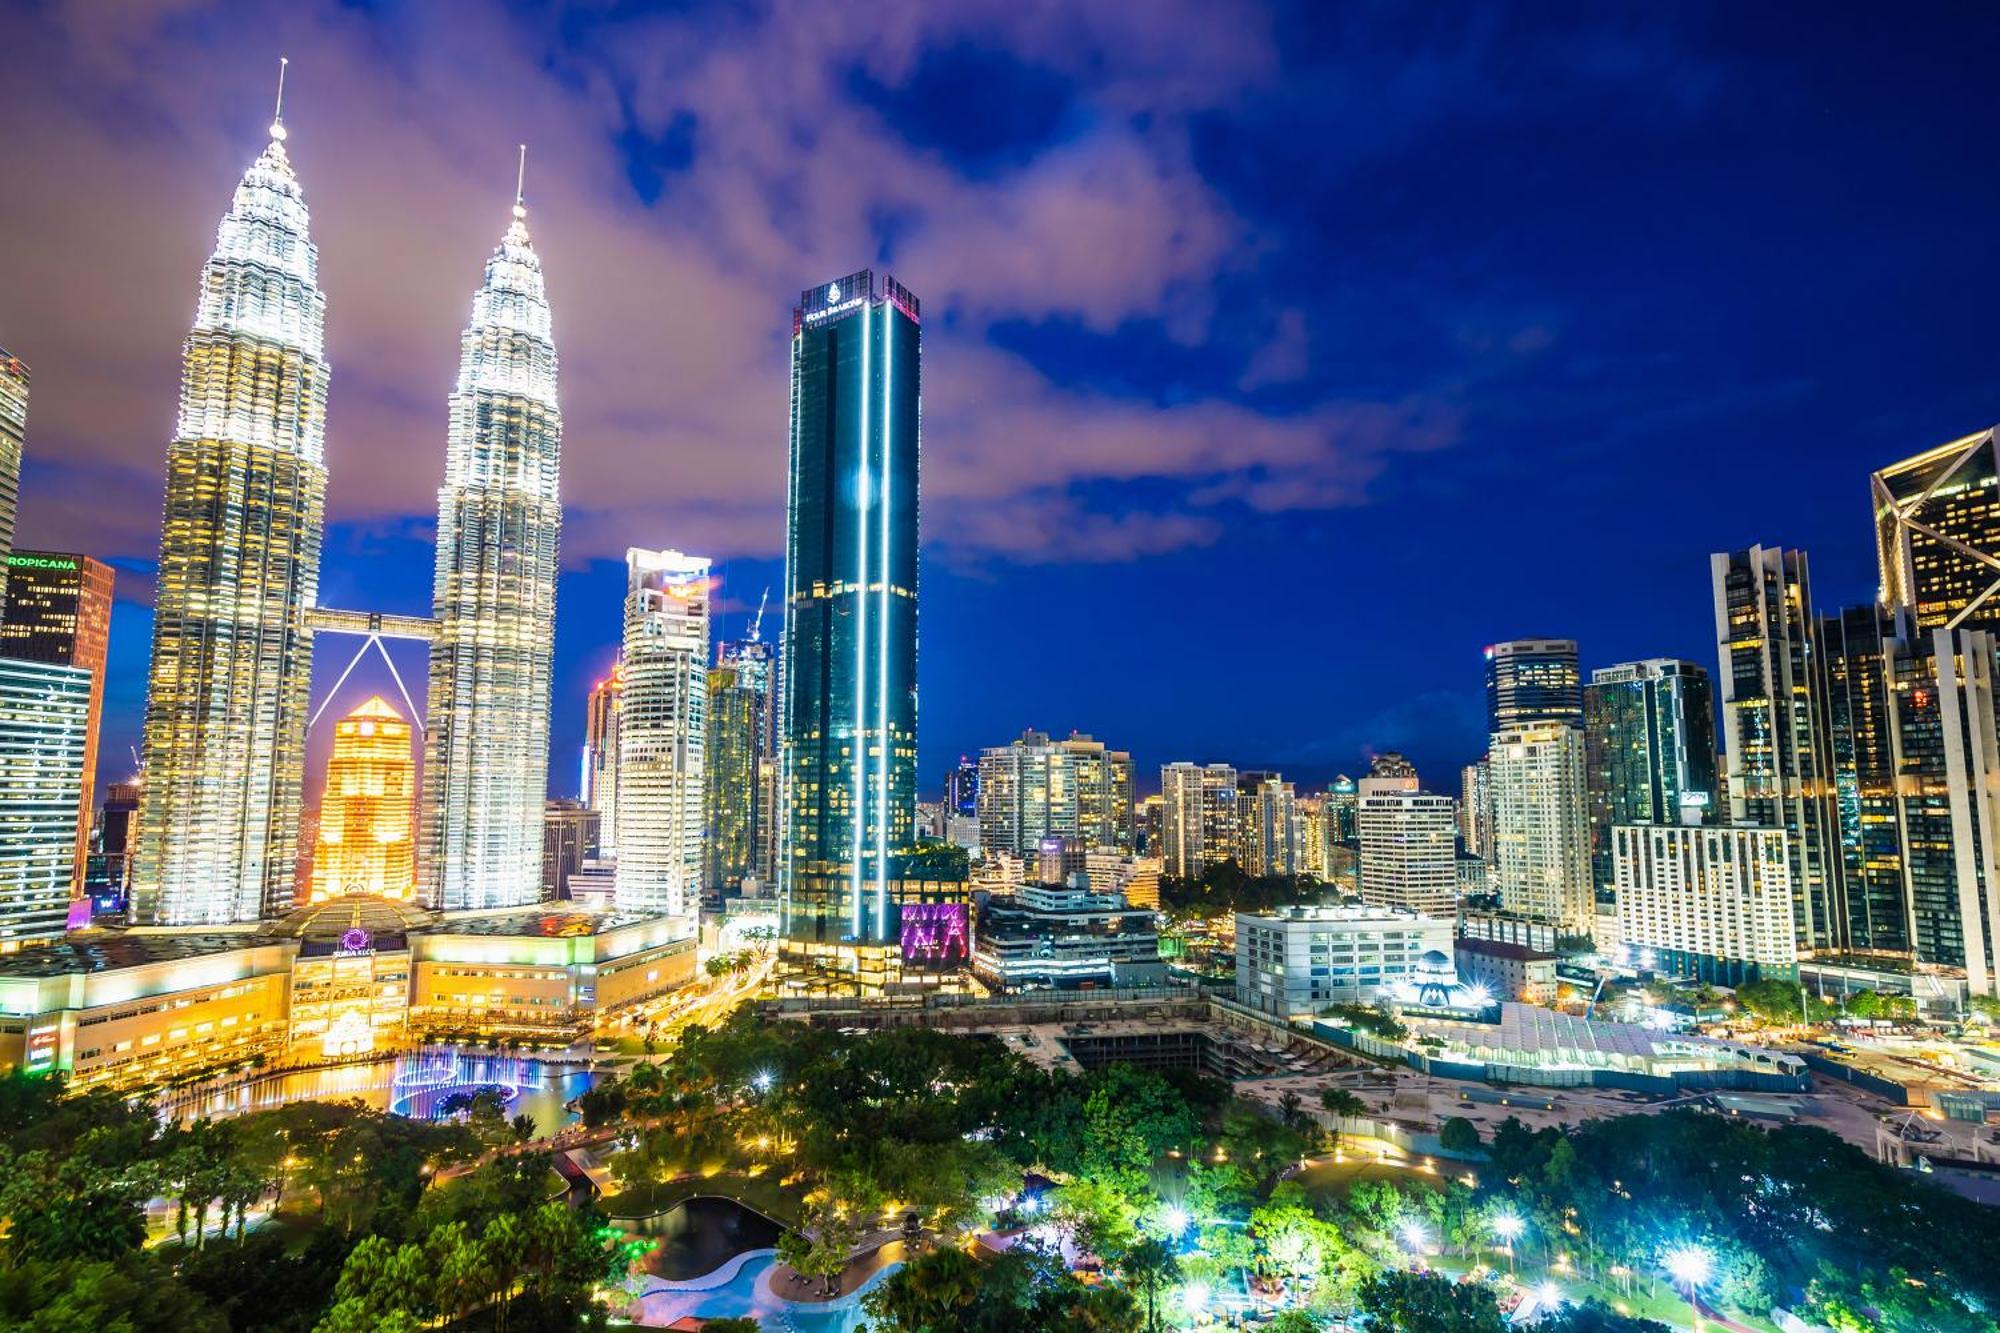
{"x": 365, "y": 827}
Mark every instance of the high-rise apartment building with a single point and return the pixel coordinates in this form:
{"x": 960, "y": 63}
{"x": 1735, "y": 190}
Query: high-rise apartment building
{"x": 1937, "y": 534}
{"x": 662, "y": 732}
{"x": 44, "y": 728}
{"x": 58, "y": 610}
{"x": 1863, "y": 650}
{"x": 1541, "y": 825}
{"x": 961, "y": 788}
{"x": 1776, "y": 735}
{"x": 1530, "y": 682}
{"x": 1034, "y": 787}
{"x": 486, "y": 748}
{"x": 14, "y": 379}
{"x": 1312, "y": 836}
{"x": 239, "y": 571}
{"x": 599, "y": 788}
{"x": 367, "y": 813}
{"x": 1267, "y": 825}
{"x": 1712, "y": 902}
{"x": 732, "y": 814}
{"x": 1198, "y": 818}
{"x": 1475, "y": 810}
{"x": 849, "y": 665}
{"x": 1409, "y": 853}
{"x": 1649, "y": 751}
{"x": 117, "y": 832}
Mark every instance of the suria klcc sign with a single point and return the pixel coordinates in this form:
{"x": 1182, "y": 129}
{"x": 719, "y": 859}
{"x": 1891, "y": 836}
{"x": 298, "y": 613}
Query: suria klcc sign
{"x": 936, "y": 936}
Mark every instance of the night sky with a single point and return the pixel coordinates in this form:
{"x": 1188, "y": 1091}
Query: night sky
{"x": 1276, "y": 358}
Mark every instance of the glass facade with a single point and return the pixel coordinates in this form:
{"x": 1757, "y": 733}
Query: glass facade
{"x": 366, "y": 841}
{"x": 732, "y": 811}
{"x": 486, "y": 749}
{"x": 1780, "y": 762}
{"x": 1937, "y": 534}
{"x": 849, "y": 666}
{"x": 1532, "y": 681}
{"x": 1863, "y": 657}
{"x": 239, "y": 572}
{"x": 44, "y": 731}
{"x": 1649, "y": 751}
{"x": 13, "y": 435}
{"x": 662, "y": 733}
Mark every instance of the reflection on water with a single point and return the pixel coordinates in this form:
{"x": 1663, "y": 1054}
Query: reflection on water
{"x": 413, "y": 1084}
{"x": 697, "y": 1236}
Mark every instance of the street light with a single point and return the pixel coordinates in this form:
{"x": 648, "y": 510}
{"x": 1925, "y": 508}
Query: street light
{"x": 1548, "y": 1297}
{"x": 1414, "y": 1235}
{"x": 1691, "y": 1266}
{"x": 762, "y": 1080}
{"x": 1176, "y": 1220}
{"x": 1508, "y": 1227}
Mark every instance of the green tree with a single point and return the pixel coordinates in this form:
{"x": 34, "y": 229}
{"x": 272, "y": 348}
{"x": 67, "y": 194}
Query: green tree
{"x": 1342, "y": 1103}
{"x": 1459, "y": 1135}
{"x": 1150, "y": 1266}
{"x": 822, "y": 1243}
{"x": 1594, "y": 1316}
{"x": 1429, "y": 1302}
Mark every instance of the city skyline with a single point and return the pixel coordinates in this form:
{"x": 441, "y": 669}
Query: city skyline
{"x": 1114, "y": 345}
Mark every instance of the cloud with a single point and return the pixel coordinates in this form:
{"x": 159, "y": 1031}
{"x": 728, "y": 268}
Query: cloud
{"x": 672, "y": 304}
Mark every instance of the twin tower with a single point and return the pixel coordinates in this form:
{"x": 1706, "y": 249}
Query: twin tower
{"x": 236, "y": 611}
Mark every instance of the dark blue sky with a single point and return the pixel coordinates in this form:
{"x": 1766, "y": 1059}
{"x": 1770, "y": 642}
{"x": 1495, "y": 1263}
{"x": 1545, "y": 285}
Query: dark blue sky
{"x": 1277, "y": 359}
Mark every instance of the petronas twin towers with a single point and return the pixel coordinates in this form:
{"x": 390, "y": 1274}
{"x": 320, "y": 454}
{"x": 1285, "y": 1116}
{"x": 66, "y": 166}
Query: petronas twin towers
{"x": 236, "y": 608}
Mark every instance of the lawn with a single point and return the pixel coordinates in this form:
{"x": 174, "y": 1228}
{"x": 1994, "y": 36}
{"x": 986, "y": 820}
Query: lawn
{"x": 648, "y": 1198}
{"x": 1332, "y": 1178}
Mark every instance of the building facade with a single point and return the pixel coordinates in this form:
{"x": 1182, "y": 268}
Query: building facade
{"x": 1294, "y": 962}
{"x": 662, "y": 732}
{"x": 1268, "y": 825}
{"x": 367, "y": 812}
{"x": 1709, "y": 902}
{"x": 58, "y": 610}
{"x": 1530, "y": 682}
{"x": 1475, "y": 810}
{"x": 849, "y": 662}
{"x": 44, "y": 735}
{"x": 1649, "y": 750}
{"x": 1780, "y": 763}
{"x": 1409, "y": 855}
{"x": 569, "y": 838}
{"x": 1937, "y": 534}
{"x": 732, "y": 809}
{"x": 14, "y": 381}
{"x": 239, "y": 571}
{"x": 1197, "y": 818}
{"x": 1541, "y": 825}
{"x": 599, "y": 786}
{"x": 486, "y": 745}
{"x": 1034, "y": 788}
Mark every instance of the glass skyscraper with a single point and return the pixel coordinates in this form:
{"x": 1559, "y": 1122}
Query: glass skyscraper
{"x": 662, "y": 732}
{"x": 13, "y": 435}
{"x": 239, "y": 571}
{"x": 44, "y": 733}
{"x": 1530, "y": 682}
{"x": 1649, "y": 751}
{"x": 1937, "y": 534}
{"x": 849, "y": 666}
{"x": 486, "y": 748}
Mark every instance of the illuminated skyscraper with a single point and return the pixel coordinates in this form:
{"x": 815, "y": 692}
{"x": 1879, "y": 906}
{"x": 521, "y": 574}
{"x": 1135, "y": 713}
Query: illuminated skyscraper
{"x": 1937, "y": 534}
{"x": 13, "y": 434}
{"x": 1532, "y": 681}
{"x": 662, "y": 732}
{"x": 1541, "y": 825}
{"x": 1780, "y": 761}
{"x": 366, "y": 811}
{"x": 850, "y": 647}
{"x": 486, "y": 748}
{"x": 1034, "y": 788}
{"x": 58, "y": 610}
{"x": 600, "y": 760}
{"x": 239, "y": 571}
{"x": 1198, "y": 818}
{"x": 730, "y": 802}
{"x": 44, "y": 712}
{"x": 1649, "y": 751}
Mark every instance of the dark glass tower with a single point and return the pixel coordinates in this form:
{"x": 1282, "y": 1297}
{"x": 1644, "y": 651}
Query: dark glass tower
{"x": 1530, "y": 682}
{"x": 849, "y": 668}
{"x": 1648, "y": 750}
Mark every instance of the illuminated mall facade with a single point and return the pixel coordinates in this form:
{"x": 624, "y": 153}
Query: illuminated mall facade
{"x": 338, "y": 980}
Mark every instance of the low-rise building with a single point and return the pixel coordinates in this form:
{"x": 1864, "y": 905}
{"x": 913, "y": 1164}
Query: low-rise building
{"x": 1295, "y": 961}
{"x": 1510, "y": 927}
{"x": 129, "y": 1008}
{"x": 1050, "y": 936}
{"x": 1508, "y": 971}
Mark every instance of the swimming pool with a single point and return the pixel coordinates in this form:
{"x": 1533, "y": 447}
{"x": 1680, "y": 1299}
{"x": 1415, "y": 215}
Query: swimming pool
{"x": 742, "y": 1287}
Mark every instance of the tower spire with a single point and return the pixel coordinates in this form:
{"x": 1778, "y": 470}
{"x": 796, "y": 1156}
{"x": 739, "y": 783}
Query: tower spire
{"x": 278, "y": 115}
{"x": 520, "y": 184}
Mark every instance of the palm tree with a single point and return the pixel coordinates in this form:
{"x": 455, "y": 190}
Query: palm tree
{"x": 1150, "y": 1265}
{"x": 1342, "y": 1103}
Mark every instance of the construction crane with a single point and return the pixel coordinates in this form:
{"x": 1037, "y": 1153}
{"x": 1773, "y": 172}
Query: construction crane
{"x": 757, "y": 625}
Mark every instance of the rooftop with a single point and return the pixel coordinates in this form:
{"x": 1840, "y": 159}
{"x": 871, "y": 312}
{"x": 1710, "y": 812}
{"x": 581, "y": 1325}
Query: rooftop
{"x": 1335, "y": 913}
{"x": 1519, "y": 953}
{"x": 109, "y": 950}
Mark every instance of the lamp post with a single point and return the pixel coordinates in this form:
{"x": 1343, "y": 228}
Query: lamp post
{"x": 1508, "y": 1228}
{"x": 1691, "y": 1266}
